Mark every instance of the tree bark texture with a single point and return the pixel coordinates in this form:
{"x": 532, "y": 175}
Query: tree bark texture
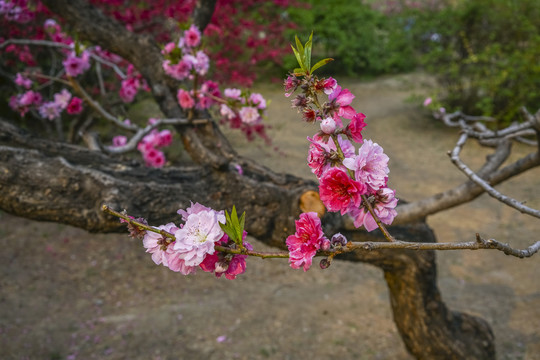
{"x": 46, "y": 180}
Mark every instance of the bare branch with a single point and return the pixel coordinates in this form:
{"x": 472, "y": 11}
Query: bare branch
{"x": 141, "y": 133}
{"x": 454, "y": 156}
{"x": 35, "y": 42}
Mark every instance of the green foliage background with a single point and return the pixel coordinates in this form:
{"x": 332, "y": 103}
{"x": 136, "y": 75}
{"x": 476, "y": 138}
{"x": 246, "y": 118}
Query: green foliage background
{"x": 363, "y": 41}
{"x": 485, "y": 54}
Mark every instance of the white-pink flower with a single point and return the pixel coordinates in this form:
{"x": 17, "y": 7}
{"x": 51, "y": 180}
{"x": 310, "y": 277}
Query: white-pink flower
{"x": 23, "y": 81}
{"x": 249, "y": 115}
{"x": 197, "y": 237}
{"x": 232, "y": 93}
{"x": 383, "y": 206}
{"x": 370, "y": 166}
{"x": 258, "y": 100}
{"x": 49, "y": 110}
{"x": 202, "y": 63}
{"x": 156, "y": 244}
{"x": 62, "y": 98}
{"x": 75, "y": 65}
{"x": 226, "y": 112}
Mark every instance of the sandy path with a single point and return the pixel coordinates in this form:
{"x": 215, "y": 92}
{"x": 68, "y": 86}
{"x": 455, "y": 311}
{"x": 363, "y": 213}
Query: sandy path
{"x": 65, "y": 293}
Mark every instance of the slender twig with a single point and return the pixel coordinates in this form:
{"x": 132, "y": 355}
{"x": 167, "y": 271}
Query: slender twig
{"x": 100, "y": 110}
{"x": 479, "y": 244}
{"x": 109, "y": 64}
{"x": 454, "y": 156}
{"x": 133, "y": 222}
{"x": 51, "y": 78}
{"x": 100, "y": 79}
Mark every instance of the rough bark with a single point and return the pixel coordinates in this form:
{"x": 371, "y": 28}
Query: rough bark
{"x": 45, "y": 180}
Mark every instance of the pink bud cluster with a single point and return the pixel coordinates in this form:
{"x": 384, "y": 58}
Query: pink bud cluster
{"x": 194, "y": 244}
{"x": 346, "y": 179}
{"x": 150, "y": 144}
{"x": 131, "y": 85}
{"x": 244, "y": 110}
{"x": 201, "y": 99}
{"x": 50, "y": 110}
{"x": 185, "y": 59}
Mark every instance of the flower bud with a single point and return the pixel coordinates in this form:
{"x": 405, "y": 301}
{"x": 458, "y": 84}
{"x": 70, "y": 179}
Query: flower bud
{"x": 338, "y": 240}
{"x": 328, "y": 125}
{"x": 325, "y": 245}
{"x": 221, "y": 266}
{"x": 325, "y": 263}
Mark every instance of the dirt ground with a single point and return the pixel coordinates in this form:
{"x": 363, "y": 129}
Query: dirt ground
{"x": 68, "y": 294}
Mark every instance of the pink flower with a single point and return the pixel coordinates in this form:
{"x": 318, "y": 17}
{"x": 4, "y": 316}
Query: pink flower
{"x": 154, "y": 158}
{"x": 192, "y": 36}
{"x": 427, "y": 101}
{"x": 75, "y": 65}
{"x": 194, "y": 209}
{"x": 384, "y": 207}
{"x": 168, "y": 48}
{"x": 322, "y": 155}
{"x": 221, "y": 263}
{"x": 329, "y": 86}
{"x": 129, "y": 88}
{"x": 339, "y": 192}
{"x": 343, "y": 97}
{"x": 30, "y": 98}
{"x": 197, "y": 237}
{"x": 233, "y": 93}
{"x": 156, "y": 244}
{"x": 184, "y": 99}
{"x": 226, "y": 112}
{"x": 75, "y": 106}
{"x": 258, "y": 100}
{"x": 305, "y": 242}
{"x": 176, "y": 263}
{"x": 165, "y": 138}
{"x": 119, "y": 140}
{"x": 355, "y": 127}
{"x": 50, "y": 110}
{"x": 249, "y": 115}
{"x": 178, "y": 71}
{"x": 202, "y": 63}
{"x": 23, "y": 81}
{"x": 370, "y": 166}
{"x": 62, "y": 98}
{"x": 290, "y": 84}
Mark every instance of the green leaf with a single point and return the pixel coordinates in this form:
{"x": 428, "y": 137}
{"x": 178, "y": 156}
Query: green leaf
{"x": 243, "y": 222}
{"x": 298, "y": 57}
{"x": 320, "y": 63}
{"x": 299, "y": 46}
{"x": 227, "y": 230}
{"x": 307, "y": 52}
